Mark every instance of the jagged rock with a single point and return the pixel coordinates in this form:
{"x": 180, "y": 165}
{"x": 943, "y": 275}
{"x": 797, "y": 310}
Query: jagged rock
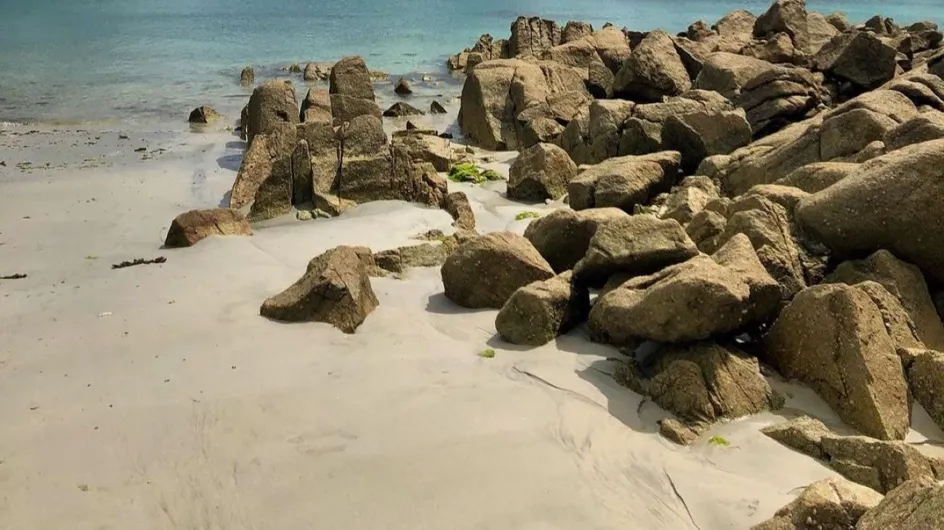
{"x": 457, "y": 205}
{"x": 316, "y": 107}
{"x": 727, "y": 73}
{"x": 540, "y": 130}
{"x": 425, "y": 148}
{"x": 436, "y": 108}
{"x": 926, "y": 380}
{"x": 861, "y": 58}
{"x": 804, "y": 434}
{"x": 890, "y": 203}
{"x": 575, "y": 30}
{"x": 776, "y": 49}
{"x": 786, "y": 16}
{"x": 563, "y": 236}
{"x": 531, "y": 37}
{"x": 677, "y": 432}
{"x": 484, "y": 272}
{"x": 189, "y": 228}
{"x": 635, "y": 245}
{"x": 689, "y": 198}
{"x": 848, "y": 133}
{"x": 204, "y": 114}
{"x": 600, "y": 80}
{"x": 652, "y": 71}
{"x": 273, "y": 198}
{"x": 818, "y": 176}
{"x": 424, "y": 255}
{"x": 701, "y": 134}
{"x": 705, "y": 228}
{"x": 538, "y": 312}
{"x": 915, "y": 505}
{"x": 833, "y": 338}
{"x": 345, "y": 108}
{"x": 878, "y": 464}
{"x": 701, "y": 383}
{"x": 331, "y": 204}
{"x": 903, "y": 280}
{"x": 778, "y": 97}
{"x": 247, "y": 77}
{"x": 401, "y": 109}
{"x": 270, "y": 105}
{"x": 898, "y": 324}
{"x": 540, "y": 172}
{"x": 690, "y": 301}
{"x": 350, "y": 77}
{"x": 323, "y": 147}
{"x": 786, "y": 196}
{"x": 735, "y": 30}
{"x": 402, "y": 88}
{"x": 302, "y": 173}
{"x": 829, "y": 504}
{"x": 259, "y": 162}
{"x": 611, "y": 46}
{"x": 820, "y": 30}
{"x": 335, "y": 289}
{"x": 624, "y": 182}
{"x": 924, "y": 128}
{"x": 607, "y": 119}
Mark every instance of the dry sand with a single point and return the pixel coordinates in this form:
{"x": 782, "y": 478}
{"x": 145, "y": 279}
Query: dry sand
{"x": 156, "y": 397}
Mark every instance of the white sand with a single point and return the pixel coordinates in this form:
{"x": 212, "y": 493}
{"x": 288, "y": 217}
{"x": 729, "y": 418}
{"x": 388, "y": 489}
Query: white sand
{"x": 156, "y": 397}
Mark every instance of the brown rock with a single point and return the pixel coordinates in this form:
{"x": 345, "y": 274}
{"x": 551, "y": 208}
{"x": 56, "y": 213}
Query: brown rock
{"x": 915, "y": 505}
{"x": 247, "y": 77}
{"x": 624, "y": 182}
{"x": 538, "y": 312}
{"x": 271, "y": 105}
{"x": 191, "y": 227}
{"x": 563, "y": 236}
{"x": 259, "y": 162}
{"x": 926, "y": 380}
{"x": 316, "y": 107}
{"x": 532, "y": 37}
{"x": 204, "y": 115}
{"x": 818, "y": 176}
{"x": 345, "y": 108}
{"x": 653, "y": 70}
{"x": 402, "y": 88}
{"x": 860, "y": 58}
{"x": 540, "y": 172}
{"x": 787, "y": 16}
{"x": 727, "y": 73}
{"x": 702, "y": 134}
{"x": 804, "y": 434}
{"x": 457, "y": 205}
{"x": 350, "y": 77}
{"x": 401, "y": 109}
{"x": 829, "y": 504}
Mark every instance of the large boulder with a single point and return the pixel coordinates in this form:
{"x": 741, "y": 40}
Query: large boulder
{"x": 694, "y": 300}
{"x": 563, "y": 236}
{"x": 654, "y": 70}
{"x": 538, "y": 312}
{"x": 247, "y": 77}
{"x": 335, "y": 289}
{"x": 350, "y": 77}
{"x": 271, "y": 105}
{"x": 484, "y": 272}
{"x": 786, "y": 16}
{"x": 636, "y": 245}
{"x": 701, "y": 383}
{"x": 540, "y": 172}
{"x": 915, "y": 505}
{"x": 924, "y": 128}
{"x": 260, "y": 161}
{"x": 726, "y": 73}
{"x": 189, "y": 228}
{"x": 780, "y": 96}
{"x": 625, "y": 181}
{"x": 699, "y": 135}
{"x": 427, "y": 148}
{"x": 316, "y": 107}
{"x": 531, "y": 37}
{"x": 735, "y": 30}
{"x": 833, "y": 338}
{"x": 345, "y": 108}
{"x": 829, "y": 504}
{"x": 890, "y": 203}
{"x": 820, "y": 30}
{"x": 818, "y": 176}
{"x": 688, "y": 198}
{"x": 903, "y": 280}
{"x": 861, "y": 58}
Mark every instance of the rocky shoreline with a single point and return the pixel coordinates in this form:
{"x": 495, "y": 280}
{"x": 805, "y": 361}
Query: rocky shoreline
{"x": 754, "y": 199}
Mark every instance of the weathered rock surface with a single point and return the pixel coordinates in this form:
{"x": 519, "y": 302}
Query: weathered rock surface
{"x": 401, "y": 109}
{"x": 540, "y": 172}
{"x": 726, "y": 73}
{"x": 926, "y": 380}
{"x": 690, "y": 301}
{"x": 345, "y": 108}
{"x": 538, "y": 312}
{"x": 316, "y": 107}
{"x": 271, "y": 105}
{"x": 861, "y": 58}
{"x": 204, "y": 115}
{"x": 484, "y": 272}
{"x": 624, "y": 182}
{"x": 688, "y": 198}
{"x": 829, "y": 504}
{"x": 563, "y": 236}
{"x": 818, "y": 176}
{"x": 779, "y": 96}
{"x": 915, "y": 505}
{"x": 457, "y": 205}
{"x": 786, "y": 16}
{"x": 335, "y": 289}
{"x": 350, "y": 77}
{"x": 652, "y": 71}
{"x": 531, "y": 37}
{"x": 247, "y": 77}
{"x": 189, "y": 228}
{"x": 833, "y": 338}
{"x": 699, "y": 135}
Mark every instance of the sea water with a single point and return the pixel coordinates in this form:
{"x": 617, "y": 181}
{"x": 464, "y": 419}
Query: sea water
{"x": 75, "y": 61}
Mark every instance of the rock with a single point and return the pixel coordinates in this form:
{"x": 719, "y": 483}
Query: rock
{"x": 677, "y": 432}
{"x": 538, "y": 312}
{"x": 860, "y": 58}
{"x": 691, "y": 301}
{"x": 204, "y": 114}
{"x": 776, "y": 49}
{"x": 402, "y": 88}
{"x": 425, "y": 148}
{"x": 335, "y": 289}
{"x": 839, "y": 21}
{"x": 259, "y": 162}
{"x": 702, "y": 134}
{"x": 540, "y": 130}
{"x": 316, "y": 107}
{"x": 531, "y": 37}
{"x": 323, "y": 146}
{"x": 818, "y": 176}
{"x": 701, "y": 383}
{"x": 924, "y": 128}
{"x": 833, "y": 338}
{"x": 689, "y": 198}
{"x": 331, "y": 204}
{"x": 350, "y": 77}
{"x": 484, "y": 272}
{"x": 804, "y": 434}
{"x": 363, "y": 136}
{"x": 607, "y": 119}
{"x": 735, "y": 29}
{"x": 848, "y": 133}
{"x": 726, "y": 73}
{"x": 829, "y": 504}
{"x": 400, "y": 109}
{"x": 705, "y": 228}
{"x": 271, "y": 105}
{"x": 189, "y": 228}
{"x": 563, "y": 236}
{"x": 611, "y": 46}
{"x": 898, "y": 324}
{"x": 635, "y": 245}
{"x": 905, "y": 282}
{"x": 273, "y": 198}
{"x": 915, "y": 505}
{"x": 778, "y": 97}
{"x": 302, "y": 173}
{"x": 575, "y": 30}
{"x": 540, "y": 172}
{"x": 310, "y": 73}
{"x": 457, "y": 205}
{"x": 820, "y": 31}
{"x": 624, "y": 182}
{"x": 424, "y": 255}
{"x": 786, "y": 196}
{"x": 247, "y": 77}
{"x": 890, "y": 203}
{"x": 786, "y": 16}
{"x": 926, "y": 380}
{"x": 346, "y": 108}
{"x": 652, "y": 71}
{"x": 878, "y": 464}
{"x": 436, "y": 108}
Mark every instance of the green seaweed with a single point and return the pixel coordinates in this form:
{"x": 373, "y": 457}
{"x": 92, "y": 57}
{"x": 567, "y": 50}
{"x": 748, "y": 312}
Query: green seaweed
{"x": 487, "y": 353}
{"x": 468, "y": 172}
{"x": 527, "y": 215}
{"x": 720, "y": 441}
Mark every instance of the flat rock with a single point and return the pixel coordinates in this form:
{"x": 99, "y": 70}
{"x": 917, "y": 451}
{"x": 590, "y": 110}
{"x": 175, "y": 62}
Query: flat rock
{"x": 189, "y": 228}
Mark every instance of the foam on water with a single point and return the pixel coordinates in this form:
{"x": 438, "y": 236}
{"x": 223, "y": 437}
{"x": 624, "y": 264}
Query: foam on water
{"x": 143, "y": 61}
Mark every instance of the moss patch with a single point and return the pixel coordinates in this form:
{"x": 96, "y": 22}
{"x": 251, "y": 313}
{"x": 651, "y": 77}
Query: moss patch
{"x": 527, "y": 215}
{"x": 720, "y": 441}
{"x": 467, "y": 172}
{"x": 487, "y": 353}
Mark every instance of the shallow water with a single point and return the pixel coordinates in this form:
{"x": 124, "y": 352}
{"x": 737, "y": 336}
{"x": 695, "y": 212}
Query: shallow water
{"x": 138, "y": 61}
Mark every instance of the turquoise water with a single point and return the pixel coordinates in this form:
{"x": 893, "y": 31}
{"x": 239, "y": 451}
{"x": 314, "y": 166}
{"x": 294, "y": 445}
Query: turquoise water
{"x": 136, "y": 60}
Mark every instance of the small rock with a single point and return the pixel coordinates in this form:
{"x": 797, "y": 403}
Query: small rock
{"x": 403, "y": 88}
{"x": 436, "y": 108}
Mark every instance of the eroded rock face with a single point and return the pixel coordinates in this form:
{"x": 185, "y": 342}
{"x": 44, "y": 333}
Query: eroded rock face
{"x": 540, "y": 172}
{"x": 818, "y": 176}
{"x": 350, "y": 77}
{"x": 702, "y": 134}
{"x": 829, "y": 504}
{"x": 926, "y": 380}
{"x": 563, "y": 236}
{"x": 701, "y": 383}
{"x": 484, "y": 272}
{"x": 786, "y": 16}
{"x": 531, "y": 37}
{"x": 833, "y": 338}
{"x": 457, "y": 205}
{"x": 623, "y": 182}
{"x": 335, "y": 289}
{"x": 861, "y": 58}
{"x": 538, "y": 312}
{"x": 189, "y": 228}
{"x": 271, "y": 105}
{"x": 653, "y": 70}
{"x": 915, "y": 505}
{"x": 690, "y": 301}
